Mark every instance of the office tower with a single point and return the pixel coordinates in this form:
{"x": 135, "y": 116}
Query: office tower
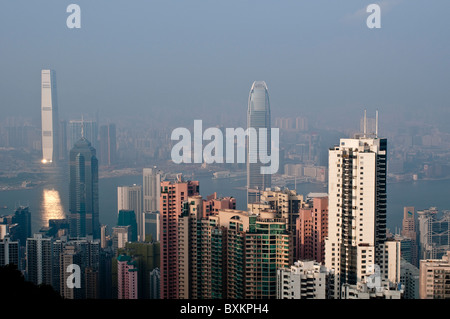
{"x": 152, "y": 226}
{"x": 130, "y": 198}
{"x": 83, "y": 190}
{"x": 155, "y": 278}
{"x": 199, "y": 268}
{"x": 409, "y": 231}
{"x": 147, "y": 259}
{"x": 49, "y": 117}
{"x": 434, "y": 230}
{"x": 173, "y": 195}
{"x": 410, "y": 279}
{"x": 108, "y": 144}
{"x": 9, "y": 252}
{"x": 258, "y": 117}
{"x": 77, "y": 129}
{"x": 128, "y": 218}
{"x": 305, "y": 280}
{"x": 311, "y": 230}
{"x": 22, "y": 217}
{"x": 434, "y": 278}
{"x": 356, "y": 208}
{"x": 151, "y": 188}
{"x": 127, "y": 278}
{"x": 39, "y": 260}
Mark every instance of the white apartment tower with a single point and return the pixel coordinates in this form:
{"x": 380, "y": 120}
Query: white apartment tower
{"x": 357, "y": 207}
{"x": 305, "y": 280}
{"x": 49, "y": 117}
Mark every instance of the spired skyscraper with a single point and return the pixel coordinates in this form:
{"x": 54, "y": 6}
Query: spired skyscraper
{"x": 258, "y": 116}
{"x": 49, "y": 117}
{"x": 83, "y": 192}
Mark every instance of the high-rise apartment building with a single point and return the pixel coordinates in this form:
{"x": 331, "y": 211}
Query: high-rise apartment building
{"x": 435, "y": 278}
{"x": 49, "y": 117}
{"x": 39, "y": 260}
{"x": 409, "y": 278}
{"x": 83, "y": 253}
{"x": 356, "y": 208}
{"x": 130, "y": 198}
{"x": 311, "y": 230}
{"x": 146, "y": 258}
{"x": 127, "y": 278}
{"x": 173, "y": 195}
{"x": 258, "y": 117}
{"x": 286, "y": 203}
{"x": 83, "y": 190}
{"x": 230, "y": 254}
{"x": 9, "y": 252}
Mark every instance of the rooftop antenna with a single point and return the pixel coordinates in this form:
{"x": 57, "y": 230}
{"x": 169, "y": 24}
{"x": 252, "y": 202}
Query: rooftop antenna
{"x": 376, "y": 124}
{"x": 82, "y": 126}
{"x": 365, "y": 123}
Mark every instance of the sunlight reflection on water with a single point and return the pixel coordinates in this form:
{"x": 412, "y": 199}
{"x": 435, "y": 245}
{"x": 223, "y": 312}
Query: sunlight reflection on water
{"x": 51, "y": 206}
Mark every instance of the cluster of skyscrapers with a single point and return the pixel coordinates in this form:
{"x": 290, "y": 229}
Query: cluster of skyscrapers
{"x": 172, "y": 243}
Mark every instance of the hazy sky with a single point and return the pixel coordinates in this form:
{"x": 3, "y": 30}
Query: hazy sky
{"x": 194, "y": 57}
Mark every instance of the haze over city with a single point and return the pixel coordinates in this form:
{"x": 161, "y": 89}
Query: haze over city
{"x": 197, "y": 59}
{"x": 115, "y": 183}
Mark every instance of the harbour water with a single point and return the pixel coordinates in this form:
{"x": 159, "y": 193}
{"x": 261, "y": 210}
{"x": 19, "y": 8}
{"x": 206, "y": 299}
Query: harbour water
{"x": 50, "y": 200}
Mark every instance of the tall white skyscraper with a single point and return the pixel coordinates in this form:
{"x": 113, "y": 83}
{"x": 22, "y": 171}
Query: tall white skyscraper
{"x": 357, "y": 208}
{"x": 151, "y": 189}
{"x": 49, "y": 117}
{"x": 258, "y": 117}
{"x": 130, "y": 198}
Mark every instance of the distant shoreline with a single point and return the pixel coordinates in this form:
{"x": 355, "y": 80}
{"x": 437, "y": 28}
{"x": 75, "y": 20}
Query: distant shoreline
{"x": 136, "y": 172}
